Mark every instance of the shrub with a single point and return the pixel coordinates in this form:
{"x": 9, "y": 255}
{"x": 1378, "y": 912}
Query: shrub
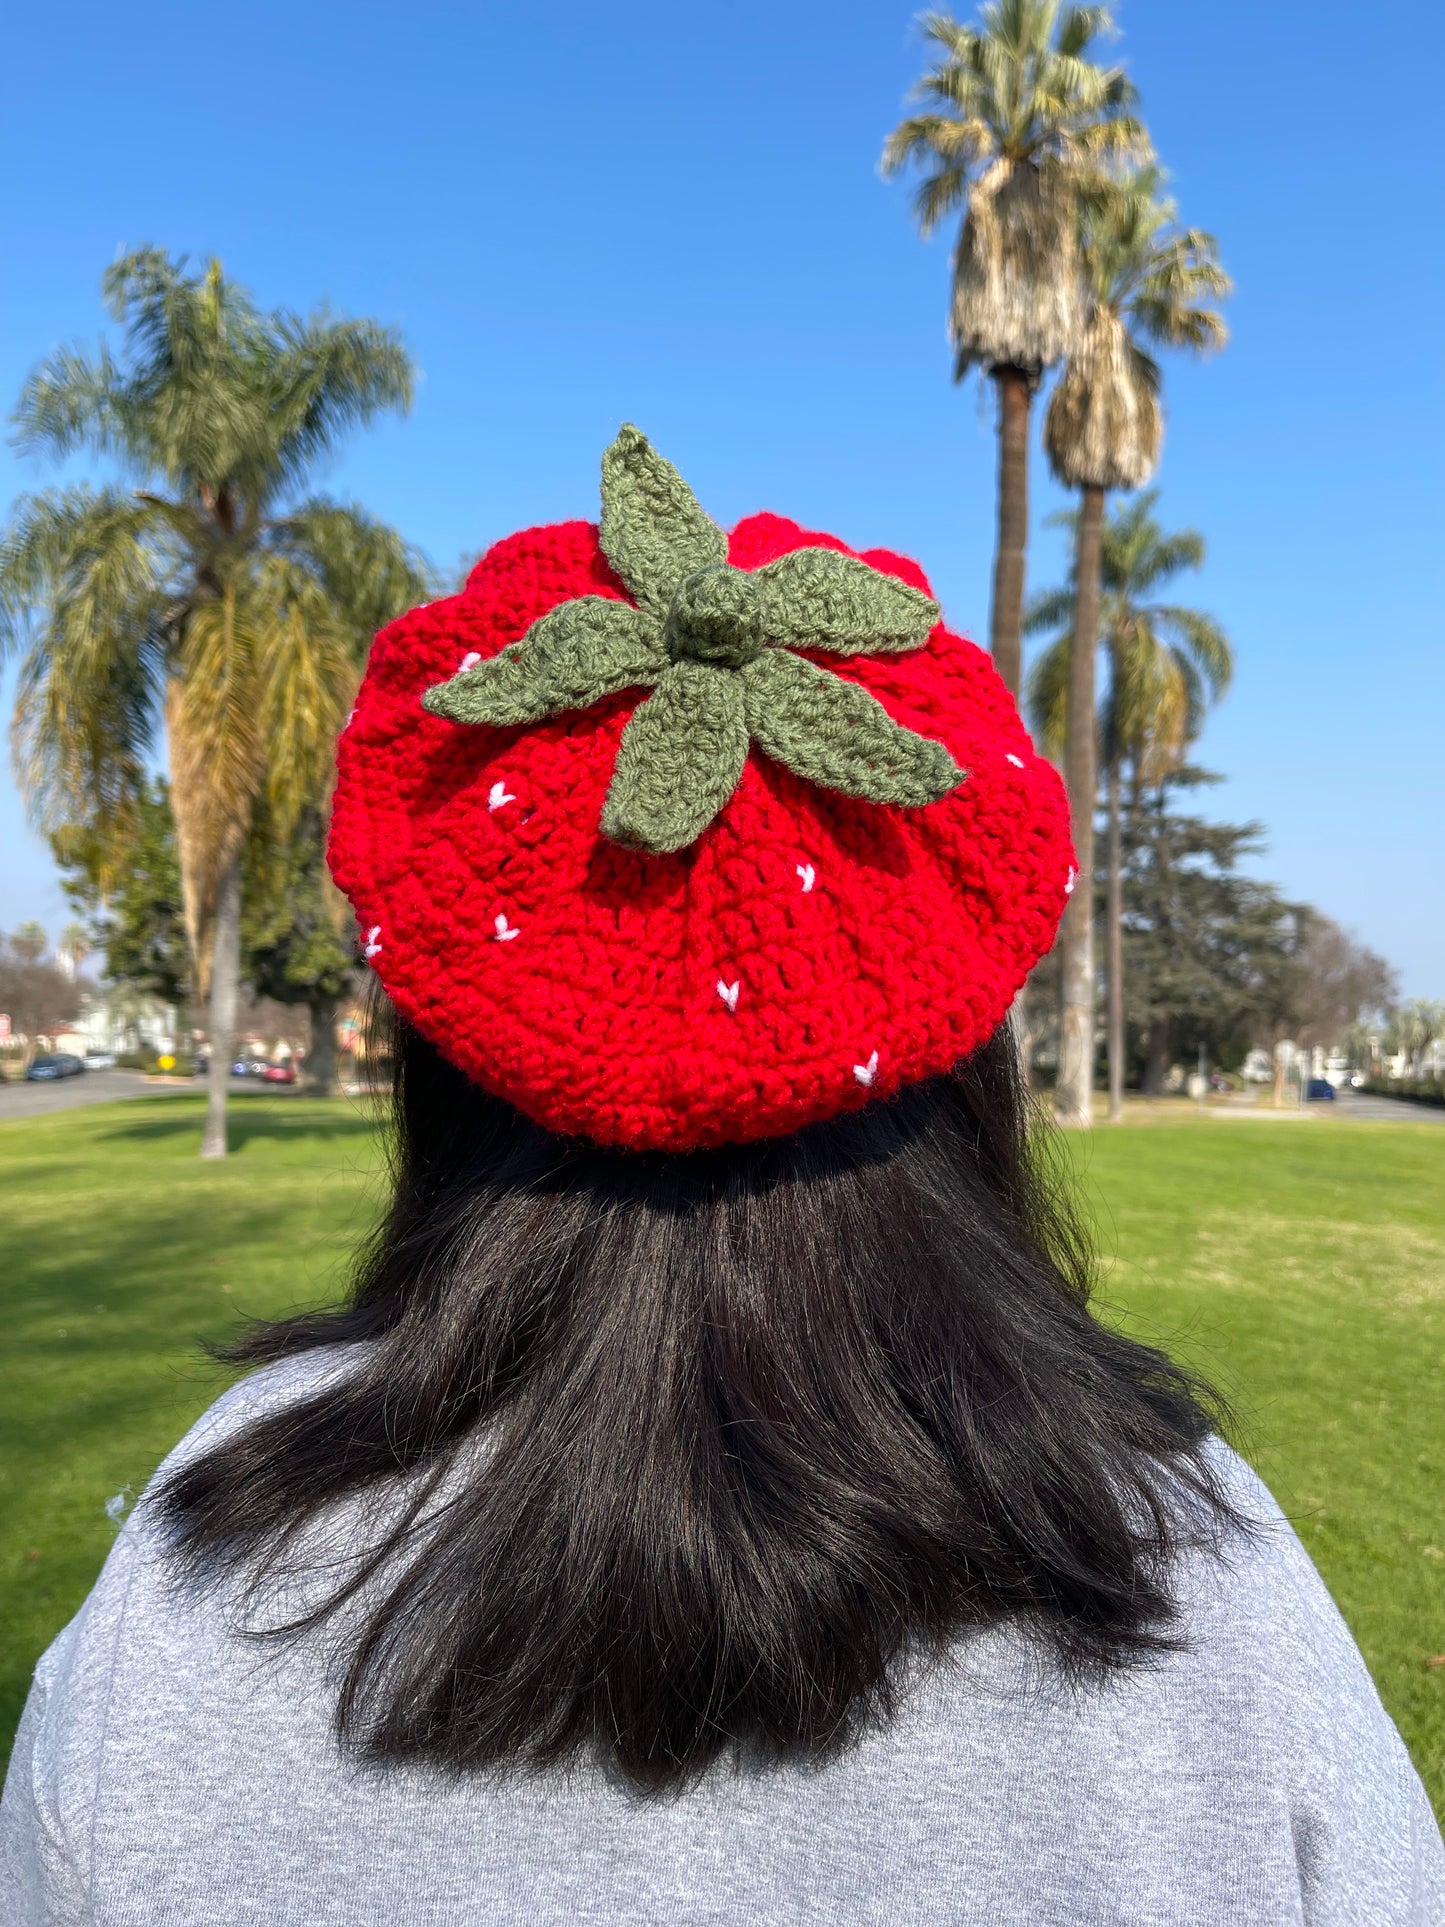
{"x": 1421, "y": 1090}
{"x": 149, "y": 1062}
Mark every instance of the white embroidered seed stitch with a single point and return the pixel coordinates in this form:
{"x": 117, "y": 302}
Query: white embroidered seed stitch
{"x": 505, "y": 931}
{"x": 809, "y": 876}
{"x": 497, "y": 795}
{"x": 1069, "y": 886}
{"x": 865, "y": 1073}
{"x": 1017, "y": 761}
{"x": 728, "y": 993}
{"x": 469, "y": 660}
{"x": 373, "y": 941}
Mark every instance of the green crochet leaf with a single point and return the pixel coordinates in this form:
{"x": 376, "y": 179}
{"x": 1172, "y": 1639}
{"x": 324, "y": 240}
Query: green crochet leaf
{"x": 818, "y": 599}
{"x": 680, "y": 759}
{"x": 713, "y": 643}
{"x": 832, "y": 732}
{"x": 569, "y": 659}
{"x": 653, "y": 531}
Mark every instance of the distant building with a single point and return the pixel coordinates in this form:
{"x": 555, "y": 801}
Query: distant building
{"x": 119, "y": 1021}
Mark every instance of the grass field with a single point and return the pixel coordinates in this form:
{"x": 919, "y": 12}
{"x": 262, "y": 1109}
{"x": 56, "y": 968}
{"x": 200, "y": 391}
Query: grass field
{"x": 1301, "y": 1263}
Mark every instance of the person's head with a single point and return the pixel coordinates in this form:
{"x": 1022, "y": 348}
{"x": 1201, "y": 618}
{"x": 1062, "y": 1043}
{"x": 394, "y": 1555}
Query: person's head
{"x": 719, "y": 1378}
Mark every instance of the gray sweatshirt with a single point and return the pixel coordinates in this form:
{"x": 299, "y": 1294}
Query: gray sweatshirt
{"x": 167, "y": 1774}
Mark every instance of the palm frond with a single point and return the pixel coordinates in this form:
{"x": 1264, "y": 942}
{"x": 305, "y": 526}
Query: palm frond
{"x": 1118, "y": 140}
{"x": 1173, "y": 287}
{"x": 307, "y": 671}
{"x": 948, "y": 33}
{"x": 1080, "y": 25}
{"x": 1201, "y": 638}
{"x": 368, "y": 573}
{"x": 85, "y": 591}
{"x": 330, "y": 376}
{"x": 1051, "y": 609}
{"x": 1151, "y": 714}
{"x": 938, "y": 196}
{"x": 1159, "y": 558}
{"x": 1167, "y": 663}
{"x": 929, "y": 138}
{"x": 1048, "y": 698}
{"x": 72, "y": 401}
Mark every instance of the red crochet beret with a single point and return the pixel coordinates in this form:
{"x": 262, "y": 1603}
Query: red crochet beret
{"x": 813, "y": 865}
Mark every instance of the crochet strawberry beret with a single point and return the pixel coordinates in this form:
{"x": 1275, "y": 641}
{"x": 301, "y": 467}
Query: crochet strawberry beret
{"x": 676, "y": 838}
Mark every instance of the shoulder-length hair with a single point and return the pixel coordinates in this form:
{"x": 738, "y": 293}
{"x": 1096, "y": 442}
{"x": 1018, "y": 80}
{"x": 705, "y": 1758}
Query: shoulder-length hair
{"x": 754, "y": 1427}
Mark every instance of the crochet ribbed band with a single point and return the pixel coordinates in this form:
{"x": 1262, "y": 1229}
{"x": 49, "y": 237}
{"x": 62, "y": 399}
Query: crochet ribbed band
{"x": 675, "y": 838}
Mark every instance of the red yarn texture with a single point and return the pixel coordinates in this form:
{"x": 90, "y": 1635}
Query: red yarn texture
{"x": 591, "y": 985}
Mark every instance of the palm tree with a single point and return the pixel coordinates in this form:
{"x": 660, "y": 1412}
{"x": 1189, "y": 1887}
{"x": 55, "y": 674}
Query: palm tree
{"x": 1166, "y": 665}
{"x": 73, "y": 947}
{"x": 1147, "y": 280}
{"x": 1018, "y": 117}
{"x": 211, "y": 602}
{"x": 30, "y": 942}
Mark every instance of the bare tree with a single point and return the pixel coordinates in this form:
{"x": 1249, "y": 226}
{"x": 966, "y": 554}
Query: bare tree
{"x": 35, "y": 995}
{"x": 1338, "y": 982}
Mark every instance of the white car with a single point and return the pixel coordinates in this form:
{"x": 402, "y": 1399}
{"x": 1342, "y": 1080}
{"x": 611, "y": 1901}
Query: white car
{"x": 100, "y": 1060}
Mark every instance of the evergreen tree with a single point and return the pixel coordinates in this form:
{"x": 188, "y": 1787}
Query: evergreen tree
{"x": 138, "y": 926}
{"x": 1209, "y": 954}
{"x": 296, "y": 946}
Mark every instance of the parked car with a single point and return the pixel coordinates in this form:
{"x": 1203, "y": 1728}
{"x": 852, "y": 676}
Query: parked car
{"x": 100, "y": 1060}
{"x": 60, "y": 1063}
{"x": 279, "y": 1074}
{"x": 1319, "y": 1090}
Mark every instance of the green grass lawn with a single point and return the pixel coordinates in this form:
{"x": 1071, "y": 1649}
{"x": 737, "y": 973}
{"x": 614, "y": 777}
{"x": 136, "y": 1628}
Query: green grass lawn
{"x": 1301, "y": 1264}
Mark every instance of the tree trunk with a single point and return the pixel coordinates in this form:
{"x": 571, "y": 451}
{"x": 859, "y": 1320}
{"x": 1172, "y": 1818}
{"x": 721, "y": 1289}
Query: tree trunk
{"x": 1018, "y": 1020}
{"x": 1116, "y": 951}
{"x": 1015, "y": 394}
{"x": 1156, "y": 1061}
{"x": 1074, "y": 1100}
{"x": 321, "y": 1075}
{"x": 225, "y": 975}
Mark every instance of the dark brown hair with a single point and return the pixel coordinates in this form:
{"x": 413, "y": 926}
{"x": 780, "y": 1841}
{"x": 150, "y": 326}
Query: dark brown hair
{"x": 728, "y": 1435}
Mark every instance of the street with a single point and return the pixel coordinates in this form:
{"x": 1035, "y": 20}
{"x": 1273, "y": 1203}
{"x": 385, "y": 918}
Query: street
{"x": 1367, "y": 1107}
{"x": 105, "y": 1087}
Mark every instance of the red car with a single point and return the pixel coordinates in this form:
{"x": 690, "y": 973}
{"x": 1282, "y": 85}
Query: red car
{"x": 279, "y": 1074}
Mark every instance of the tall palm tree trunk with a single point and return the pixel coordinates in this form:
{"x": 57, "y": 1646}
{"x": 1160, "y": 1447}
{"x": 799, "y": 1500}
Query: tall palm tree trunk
{"x": 1115, "y": 913}
{"x": 1075, "y": 1094}
{"x": 1005, "y": 626}
{"x": 1015, "y": 394}
{"x": 225, "y": 977}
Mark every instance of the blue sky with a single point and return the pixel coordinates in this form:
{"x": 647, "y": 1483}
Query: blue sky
{"x": 674, "y": 216}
